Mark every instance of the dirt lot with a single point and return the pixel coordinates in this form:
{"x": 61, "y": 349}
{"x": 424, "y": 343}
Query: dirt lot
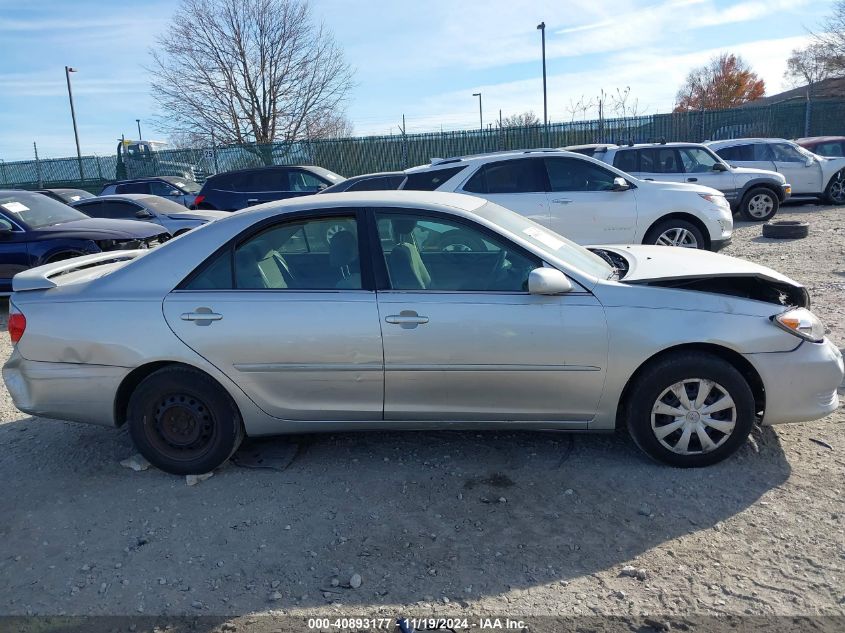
{"x": 451, "y": 523}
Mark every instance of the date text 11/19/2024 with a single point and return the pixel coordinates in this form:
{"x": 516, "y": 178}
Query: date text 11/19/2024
{"x": 413, "y": 625}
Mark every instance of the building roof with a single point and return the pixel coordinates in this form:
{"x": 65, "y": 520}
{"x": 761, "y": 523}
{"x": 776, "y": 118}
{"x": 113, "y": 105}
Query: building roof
{"x": 828, "y": 89}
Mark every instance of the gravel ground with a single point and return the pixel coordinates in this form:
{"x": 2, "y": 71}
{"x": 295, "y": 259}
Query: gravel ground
{"x": 453, "y": 523}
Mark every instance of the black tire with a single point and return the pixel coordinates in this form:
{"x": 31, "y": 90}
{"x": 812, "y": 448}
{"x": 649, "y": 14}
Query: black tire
{"x": 759, "y": 204}
{"x": 675, "y": 224}
{"x": 183, "y": 421}
{"x": 655, "y": 381}
{"x": 786, "y": 230}
{"x": 834, "y": 193}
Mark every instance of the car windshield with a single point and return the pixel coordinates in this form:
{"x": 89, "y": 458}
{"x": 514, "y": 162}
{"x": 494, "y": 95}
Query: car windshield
{"x": 36, "y": 211}
{"x": 162, "y": 205}
{"x": 185, "y": 185}
{"x": 547, "y": 241}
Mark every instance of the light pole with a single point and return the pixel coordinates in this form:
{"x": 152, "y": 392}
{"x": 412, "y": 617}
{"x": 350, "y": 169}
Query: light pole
{"x": 480, "y": 117}
{"x": 542, "y": 28}
{"x": 68, "y": 71}
{"x": 138, "y": 121}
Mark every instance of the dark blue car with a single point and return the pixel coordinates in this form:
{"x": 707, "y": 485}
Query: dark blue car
{"x": 36, "y": 230}
{"x": 234, "y": 190}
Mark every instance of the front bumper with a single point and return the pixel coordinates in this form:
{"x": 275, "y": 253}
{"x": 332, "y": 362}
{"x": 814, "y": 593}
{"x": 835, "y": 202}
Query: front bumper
{"x": 717, "y": 245}
{"x": 63, "y": 391}
{"x": 800, "y": 385}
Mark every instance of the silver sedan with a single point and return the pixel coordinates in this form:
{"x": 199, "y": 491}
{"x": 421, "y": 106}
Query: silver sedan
{"x": 138, "y": 206}
{"x": 413, "y": 310}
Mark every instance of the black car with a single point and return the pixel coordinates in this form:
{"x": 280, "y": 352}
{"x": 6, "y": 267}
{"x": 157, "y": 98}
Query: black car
{"x": 68, "y": 196}
{"x": 180, "y": 190}
{"x": 382, "y": 181}
{"x": 234, "y": 190}
{"x": 36, "y": 230}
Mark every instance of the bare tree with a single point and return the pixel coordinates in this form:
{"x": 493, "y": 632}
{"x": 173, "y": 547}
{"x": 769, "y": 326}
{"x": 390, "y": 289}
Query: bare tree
{"x": 622, "y": 105}
{"x": 830, "y": 40}
{"x": 249, "y": 71}
{"x": 579, "y": 108}
{"x": 525, "y": 119}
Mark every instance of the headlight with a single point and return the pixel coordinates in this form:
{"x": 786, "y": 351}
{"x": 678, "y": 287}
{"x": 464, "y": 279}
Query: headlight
{"x": 801, "y": 322}
{"x": 719, "y": 201}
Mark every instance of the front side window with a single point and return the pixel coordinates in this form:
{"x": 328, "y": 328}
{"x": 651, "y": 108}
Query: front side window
{"x": 305, "y": 182}
{"x": 423, "y": 252}
{"x": 117, "y": 210}
{"x": 523, "y": 175}
{"x": 763, "y": 152}
{"x": 696, "y": 160}
{"x": 163, "y": 189}
{"x": 737, "y": 153}
{"x": 134, "y": 187}
{"x": 786, "y": 153}
{"x": 312, "y": 254}
{"x": 570, "y": 174}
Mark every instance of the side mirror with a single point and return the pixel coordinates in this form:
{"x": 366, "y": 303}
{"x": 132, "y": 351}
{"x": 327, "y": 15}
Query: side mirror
{"x": 720, "y": 167}
{"x": 620, "y": 184}
{"x": 548, "y": 281}
{"x": 143, "y": 214}
{"x": 809, "y": 162}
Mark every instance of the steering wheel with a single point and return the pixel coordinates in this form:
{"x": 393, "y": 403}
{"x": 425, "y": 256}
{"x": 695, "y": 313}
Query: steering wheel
{"x": 497, "y": 268}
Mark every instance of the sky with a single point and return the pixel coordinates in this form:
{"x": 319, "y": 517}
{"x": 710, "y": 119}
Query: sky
{"x": 421, "y": 59}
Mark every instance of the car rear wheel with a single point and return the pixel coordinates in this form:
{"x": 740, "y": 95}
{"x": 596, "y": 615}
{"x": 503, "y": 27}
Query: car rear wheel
{"x": 183, "y": 422}
{"x": 759, "y": 205}
{"x": 690, "y": 410}
{"x": 675, "y": 232}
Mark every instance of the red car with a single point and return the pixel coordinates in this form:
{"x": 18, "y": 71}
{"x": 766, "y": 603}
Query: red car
{"x": 833, "y": 146}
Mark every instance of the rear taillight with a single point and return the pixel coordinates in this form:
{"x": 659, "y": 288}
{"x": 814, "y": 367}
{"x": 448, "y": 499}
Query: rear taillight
{"x": 17, "y": 325}
{"x": 198, "y": 201}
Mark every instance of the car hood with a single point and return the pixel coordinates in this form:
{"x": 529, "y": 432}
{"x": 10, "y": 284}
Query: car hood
{"x": 102, "y": 229}
{"x": 206, "y": 216}
{"x": 678, "y": 186}
{"x": 750, "y": 171}
{"x": 691, "y": 269}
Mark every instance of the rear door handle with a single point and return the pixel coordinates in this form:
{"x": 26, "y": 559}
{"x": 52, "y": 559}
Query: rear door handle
{"x": 408, "y": 319}
{"x": 692, "y": 179}
{"x": 562, "y": 201}
{"x": 202, "y": 316}
{"x": 251, "y": 200}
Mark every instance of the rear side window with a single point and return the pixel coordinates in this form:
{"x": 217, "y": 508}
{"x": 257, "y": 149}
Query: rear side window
{"x": 134, "y": 187}
{"x": 830, "y": 148}
{"x": 626, "y": 160}
{"x": 382, "y": 183}
{"x": 431, "y": 180}
{"x": 737, "y": 152}
{"x": 523, "y": 175}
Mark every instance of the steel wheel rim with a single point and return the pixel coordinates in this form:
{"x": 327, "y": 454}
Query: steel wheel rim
{"x": 677, "y": 237}
{"x": 693, "y": 416}
{"x": 837, "y": 188}
{"x": 760, "y": 205}
{"x": 181, "y": 427}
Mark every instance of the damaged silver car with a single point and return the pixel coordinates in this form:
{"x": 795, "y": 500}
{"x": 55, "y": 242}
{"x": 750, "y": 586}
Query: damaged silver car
{"x": 413, "y": 310}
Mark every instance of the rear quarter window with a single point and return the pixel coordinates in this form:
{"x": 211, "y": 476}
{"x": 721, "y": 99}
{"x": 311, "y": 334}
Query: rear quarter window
{"x": 626, "y": 160}
{"x": 431, "y": 180}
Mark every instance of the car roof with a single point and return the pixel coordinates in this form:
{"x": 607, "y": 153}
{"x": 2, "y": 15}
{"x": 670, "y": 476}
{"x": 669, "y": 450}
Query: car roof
{"x": 64, "y": 190}
{"x": 739, "y": 141}
{"x": 819, "y": 139}
{"x": 399, "y": 198}
{"x": 262, "y": 168}
{"x": 436, "y": 163}
{"x": 124, "y": 196}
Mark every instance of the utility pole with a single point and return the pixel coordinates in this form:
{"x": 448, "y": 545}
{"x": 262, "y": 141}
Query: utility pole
{"x": 542, "y": 28}
{"x": 68, "y": 71}
{"x": 480, "y": 117}
{"x": 138, "y": 121}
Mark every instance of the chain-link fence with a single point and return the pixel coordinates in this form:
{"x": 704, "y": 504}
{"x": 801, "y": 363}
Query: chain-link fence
{"x": 352, "y": 156}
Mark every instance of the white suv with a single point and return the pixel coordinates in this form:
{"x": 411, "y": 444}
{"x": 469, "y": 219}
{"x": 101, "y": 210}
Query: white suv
{"x": 755, "y": 193}
{"x": 810, "y": 175}
{"x": 584, "y": 199}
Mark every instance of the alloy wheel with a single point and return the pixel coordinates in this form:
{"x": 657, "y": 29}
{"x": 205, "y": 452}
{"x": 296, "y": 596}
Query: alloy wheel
{"x": 693, "y": 416}
{"x": 760, "y": 206}
{"x": 837, "y": 188}
{"x": 677, "y": 237}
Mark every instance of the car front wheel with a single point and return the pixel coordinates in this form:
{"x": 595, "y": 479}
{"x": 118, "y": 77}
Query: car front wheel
{"x": 835, "y": 192}
{"x": 690, "y": 410}
{"x": 183, "y": 421}
{"x": 676, "y": 232}
{"x": 759, "y": 205}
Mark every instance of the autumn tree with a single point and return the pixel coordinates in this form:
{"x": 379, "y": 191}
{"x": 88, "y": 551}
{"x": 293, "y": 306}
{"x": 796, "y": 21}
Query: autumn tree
{"x": 249, "y": 71}
{"x": 525, "y": 119}
{"x": 726, "y": 81}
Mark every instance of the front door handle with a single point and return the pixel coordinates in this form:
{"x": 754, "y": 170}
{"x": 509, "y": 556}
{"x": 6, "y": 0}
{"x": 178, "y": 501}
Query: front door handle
{"x": 407, "y": 319}
{"x": 201, "y": 316}
{"x": 692, "y": 179}
{"x": 562, "y": 201}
